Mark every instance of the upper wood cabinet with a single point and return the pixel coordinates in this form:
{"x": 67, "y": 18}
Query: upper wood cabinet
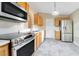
{"x": 24, "y": 5}
{"x": 29, "y": 22}
{"x": 57, "y": 21}
{"x": 30, "y": 18}
{"x": 59, "y": 18}
{"x": 35, "y": 19}
{"x": 65, "y": 17}
{"x": 38, "y": 20}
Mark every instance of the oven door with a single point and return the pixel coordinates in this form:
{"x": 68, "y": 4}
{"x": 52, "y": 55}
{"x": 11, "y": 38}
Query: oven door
{"x": 26, "y": 50}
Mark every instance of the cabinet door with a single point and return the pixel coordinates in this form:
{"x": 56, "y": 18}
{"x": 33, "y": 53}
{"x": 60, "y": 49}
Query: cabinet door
{"x": 57, "y": 35}
{"x": 38, "y": 20}
{"x": 4, "y": 51}
{"x": 38, "y": 40}
{"x": 57, "y": 21}
{"x": 35, "y": 19}
{"x": 24, "y": 5}
{"x": 29, "y": 22}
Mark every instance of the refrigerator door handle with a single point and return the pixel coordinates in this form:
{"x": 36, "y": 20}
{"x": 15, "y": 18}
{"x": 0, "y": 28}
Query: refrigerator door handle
{"x": 65, "y": 27}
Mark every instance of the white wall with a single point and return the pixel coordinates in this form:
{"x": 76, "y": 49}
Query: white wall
{"x": 11, "y": 27}
{"x": 50, "y": 28}
{"x": 75, "y": 17}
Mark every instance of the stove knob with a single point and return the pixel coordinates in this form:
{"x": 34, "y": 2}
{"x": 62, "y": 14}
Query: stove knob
{"x": 16, "y": 41}
{"x": 13, "y": 48}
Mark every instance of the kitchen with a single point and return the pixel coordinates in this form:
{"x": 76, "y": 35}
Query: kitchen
{"x": 27, "y": 29}
{"x": 17, "y": 36}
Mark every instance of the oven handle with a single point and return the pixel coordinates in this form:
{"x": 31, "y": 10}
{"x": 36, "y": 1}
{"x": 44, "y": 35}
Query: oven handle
{"x": 22, "y": 44}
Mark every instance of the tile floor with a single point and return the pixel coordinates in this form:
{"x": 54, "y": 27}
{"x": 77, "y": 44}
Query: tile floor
{"x": 51, "y": 47}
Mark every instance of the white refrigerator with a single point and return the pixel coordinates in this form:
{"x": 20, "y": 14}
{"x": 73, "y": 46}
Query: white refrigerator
{"x": 66, "y": 30}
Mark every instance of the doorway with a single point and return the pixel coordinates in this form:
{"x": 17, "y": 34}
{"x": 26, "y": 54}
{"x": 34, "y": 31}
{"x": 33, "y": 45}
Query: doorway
{"x": 50, "y": 28}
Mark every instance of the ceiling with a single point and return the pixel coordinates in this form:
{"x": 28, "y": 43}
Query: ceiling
{"x": 64, "y": 8}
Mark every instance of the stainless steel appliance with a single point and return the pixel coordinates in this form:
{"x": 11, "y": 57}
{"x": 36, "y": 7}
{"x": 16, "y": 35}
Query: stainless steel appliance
{"x": 13, "y": 11}
{"x": 23, "y": 46}
{"x": 66, "y": 30}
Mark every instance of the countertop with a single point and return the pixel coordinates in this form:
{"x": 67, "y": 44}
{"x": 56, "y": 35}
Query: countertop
{"x": 3, "y": 42}
{"x": 12, "y": 35}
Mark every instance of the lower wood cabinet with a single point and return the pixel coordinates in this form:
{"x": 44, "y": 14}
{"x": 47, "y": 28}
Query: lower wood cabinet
{"x": 4, "y": 50}
{"x": 38, "y": 40}
{"x": 57, "y": 35}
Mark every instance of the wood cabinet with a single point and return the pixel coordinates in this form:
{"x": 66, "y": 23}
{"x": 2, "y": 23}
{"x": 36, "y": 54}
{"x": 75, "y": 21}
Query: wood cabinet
{"x": 57, "y": 21}
{"x": 65, "y": 17}
{"x": 30, "y": 18}
{"x": 24, "y": 5}
{"x": 4, "y": 50}
{"x": 35, "y": 19}
{"x": 38, "y": 20}
{"x": 29, "y": 22}
{"x": 59, "y": 18}
{"x": 38, "y": 39}
{"x": 57, "y": 35}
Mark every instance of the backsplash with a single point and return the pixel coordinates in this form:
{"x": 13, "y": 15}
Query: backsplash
{"x": 11, "y": 27}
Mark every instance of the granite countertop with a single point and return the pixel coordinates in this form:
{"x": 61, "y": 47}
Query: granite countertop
{"x": 3, "y": 42}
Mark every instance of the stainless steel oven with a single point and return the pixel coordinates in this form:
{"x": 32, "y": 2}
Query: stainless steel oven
{"x": 23, "y": 46}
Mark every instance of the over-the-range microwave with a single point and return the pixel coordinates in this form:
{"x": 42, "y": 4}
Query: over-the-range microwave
{"x": 13, "y": 11}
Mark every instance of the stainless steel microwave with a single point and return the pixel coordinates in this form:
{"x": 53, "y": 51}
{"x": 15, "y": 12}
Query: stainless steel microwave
{"x": 13, "y": 11}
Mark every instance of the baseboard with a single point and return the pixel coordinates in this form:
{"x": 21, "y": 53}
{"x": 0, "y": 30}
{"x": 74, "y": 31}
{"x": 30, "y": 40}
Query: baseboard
{"x": 76, "y": 43}
{"x": 49, "y": 38}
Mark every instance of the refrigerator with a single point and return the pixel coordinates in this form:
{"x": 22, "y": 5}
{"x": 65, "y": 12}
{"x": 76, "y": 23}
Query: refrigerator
{"x": 66, "y": 30}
